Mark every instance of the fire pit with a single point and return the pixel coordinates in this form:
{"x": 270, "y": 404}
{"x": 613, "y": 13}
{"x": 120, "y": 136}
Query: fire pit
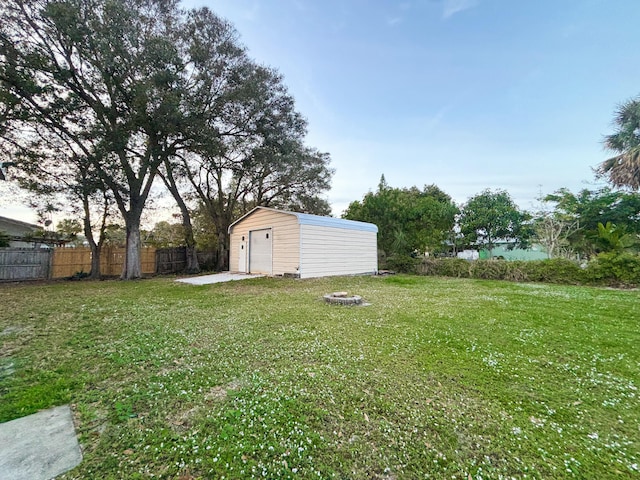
{"x": 343, "y": 298}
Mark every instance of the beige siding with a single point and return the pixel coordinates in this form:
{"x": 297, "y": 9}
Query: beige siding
{"x": 286, "y": 239}
{"x": 336, "y": 251}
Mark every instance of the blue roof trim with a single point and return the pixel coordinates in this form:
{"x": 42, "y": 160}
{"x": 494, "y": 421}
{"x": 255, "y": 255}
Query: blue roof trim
{"x": 318, "y": 221}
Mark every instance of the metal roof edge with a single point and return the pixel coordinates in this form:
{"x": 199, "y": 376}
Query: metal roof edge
{"x": 315, "y": 220}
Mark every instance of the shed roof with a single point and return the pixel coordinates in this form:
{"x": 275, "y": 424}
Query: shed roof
{"x": 317, "y": 220}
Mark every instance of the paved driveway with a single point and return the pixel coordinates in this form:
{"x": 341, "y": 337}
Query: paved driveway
{"x": 218, "y": 278}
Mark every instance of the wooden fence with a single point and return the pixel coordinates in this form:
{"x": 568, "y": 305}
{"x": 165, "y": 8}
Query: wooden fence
{"x": 67, "y": 262}
{"x": 24, "y": 264}
{"x": 171, "y": 260}
{"x": 32, "y": 264}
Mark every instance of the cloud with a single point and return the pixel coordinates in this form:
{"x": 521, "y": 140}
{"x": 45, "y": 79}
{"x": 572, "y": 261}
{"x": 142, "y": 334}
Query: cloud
{"x": 392, "y": 22}
{"x": 451, "y": 7}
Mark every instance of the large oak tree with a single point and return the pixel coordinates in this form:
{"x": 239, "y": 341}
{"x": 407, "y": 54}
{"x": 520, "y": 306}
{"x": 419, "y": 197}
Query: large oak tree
{"x": 140, "y": 89}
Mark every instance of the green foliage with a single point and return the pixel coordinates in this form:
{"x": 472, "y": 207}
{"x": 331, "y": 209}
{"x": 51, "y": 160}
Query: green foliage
{"x": 69, "y": 230}
{"x": 555, "y": 270}
{"x": 115, "y": 235}
{"x": 611, "y": 238}
{"x": 445, "y": 267}
{"x": 492, "y": 216}
{"x": 588, "y": 209}
{"x": 623, "y": 170}
{"x": 4, "y": 239}
{"x": 166, "y": 235}
{"x": 611, "y": 269}
{"x": 401, "y": 263}
{"x": 615, "y": 269}
{"x": 409, "y": 220}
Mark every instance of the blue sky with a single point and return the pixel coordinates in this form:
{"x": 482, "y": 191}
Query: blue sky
{"x": 466, "y": 94}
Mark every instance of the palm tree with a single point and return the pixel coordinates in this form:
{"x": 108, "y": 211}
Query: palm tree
{"x": 623, "y": 170}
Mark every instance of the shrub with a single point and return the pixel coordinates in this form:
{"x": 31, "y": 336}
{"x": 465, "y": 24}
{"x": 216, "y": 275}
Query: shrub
{"x": 401, "y": 263}
{"x": 616, "y": 269}
{"x": 445, "y": 267}
{"x": 557, "y": 270}
{"x": 491, "y": 270}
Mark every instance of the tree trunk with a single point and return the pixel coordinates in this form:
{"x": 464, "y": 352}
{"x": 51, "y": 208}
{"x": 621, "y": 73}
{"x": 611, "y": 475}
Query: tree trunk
{"x": 95, "y": 273}
{"x": 96, "y": 249}
{"x": 192, "y": 257}
{"x": 170, "y": 182}
{"x": 223, "y": 250}
{"x": 192, "y": 260}
{"x": 132, "y": 267}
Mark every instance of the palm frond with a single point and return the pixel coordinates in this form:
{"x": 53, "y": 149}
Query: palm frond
{"x": 622, "y": 170}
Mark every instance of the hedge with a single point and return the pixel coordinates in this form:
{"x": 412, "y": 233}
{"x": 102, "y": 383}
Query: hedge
{"x": 607, "y": 269}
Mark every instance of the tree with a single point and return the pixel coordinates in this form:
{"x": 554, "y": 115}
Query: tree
{"x": 166, "y": 235}
{"x": 4, "y": 239}
{"x": 553, "y": 231}
{"x": 623, "y": 170}
{"x": 247, "y": 140}
{"x": 492, "y": 216}
{"x": 69, "y": 229}
{"x": 409, "y": 220}
{"x": 131, "y": 90}
{"x": 242, "y": 142}
{"x": 588, "y": 208}
{"x": 103, "y": 77}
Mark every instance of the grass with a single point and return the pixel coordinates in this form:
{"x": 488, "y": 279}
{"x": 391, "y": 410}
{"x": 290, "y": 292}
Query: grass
{"x": 437, "y": 378}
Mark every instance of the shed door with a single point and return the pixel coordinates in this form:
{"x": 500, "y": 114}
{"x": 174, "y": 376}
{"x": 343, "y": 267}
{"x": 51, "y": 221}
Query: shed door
{"x": 242, "y": 256}
{"x": 260, "y": 251}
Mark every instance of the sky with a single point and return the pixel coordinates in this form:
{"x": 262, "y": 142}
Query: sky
{"x": 464, "y": 94}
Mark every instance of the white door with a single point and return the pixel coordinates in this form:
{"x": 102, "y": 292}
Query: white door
{"x": 242, "y": 256}
{"x": 260, "y": 251}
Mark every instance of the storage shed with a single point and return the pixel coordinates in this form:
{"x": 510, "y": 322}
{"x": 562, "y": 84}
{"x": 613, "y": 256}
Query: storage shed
{"x": 276, "y": 242}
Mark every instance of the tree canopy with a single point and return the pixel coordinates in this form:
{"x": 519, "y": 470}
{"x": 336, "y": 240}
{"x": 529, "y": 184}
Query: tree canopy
{"x": 492, "y": 216}
{"x": 591, "y": 211}
{"x": 409, "y": 219}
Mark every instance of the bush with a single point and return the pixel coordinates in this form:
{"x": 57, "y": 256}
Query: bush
{"x": 607, "y": 271}
{"x": 555, "y": 270}
{"x": 494, "y": 270}
{"x": 612, "y": 269}
{"x": 401, "y": 263}
{"x": 445, "y": 267}
{"x": 615, "y": 269}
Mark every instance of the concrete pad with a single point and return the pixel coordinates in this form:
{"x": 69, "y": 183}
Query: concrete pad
{"x": 218, "y": 278}
{"x": 40, "y": 446}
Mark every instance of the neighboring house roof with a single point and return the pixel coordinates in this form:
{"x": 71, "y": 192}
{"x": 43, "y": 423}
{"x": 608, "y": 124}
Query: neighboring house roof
{"x": 317, "y": 220}
{"x": 16, "y": 227}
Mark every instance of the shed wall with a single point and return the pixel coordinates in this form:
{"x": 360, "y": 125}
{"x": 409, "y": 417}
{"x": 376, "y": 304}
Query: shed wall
{"x": 336, "y": 251}
{"x": 286, "y": 239}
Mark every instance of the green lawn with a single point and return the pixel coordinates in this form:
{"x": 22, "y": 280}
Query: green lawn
{"x": 437, "y": 378}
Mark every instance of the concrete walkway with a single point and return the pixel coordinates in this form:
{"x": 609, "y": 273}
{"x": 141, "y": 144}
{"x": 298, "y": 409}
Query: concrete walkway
{"x": 218, "y": 278}
{"x": 40, "y": 446}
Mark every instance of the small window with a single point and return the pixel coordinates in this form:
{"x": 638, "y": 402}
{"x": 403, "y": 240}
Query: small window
{"x": 267, "y": 235}
{"x": 243, "y": 238}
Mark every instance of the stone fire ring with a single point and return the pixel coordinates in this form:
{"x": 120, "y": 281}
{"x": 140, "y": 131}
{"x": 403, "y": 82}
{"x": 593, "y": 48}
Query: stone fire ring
{"x": 342, "y": 298}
